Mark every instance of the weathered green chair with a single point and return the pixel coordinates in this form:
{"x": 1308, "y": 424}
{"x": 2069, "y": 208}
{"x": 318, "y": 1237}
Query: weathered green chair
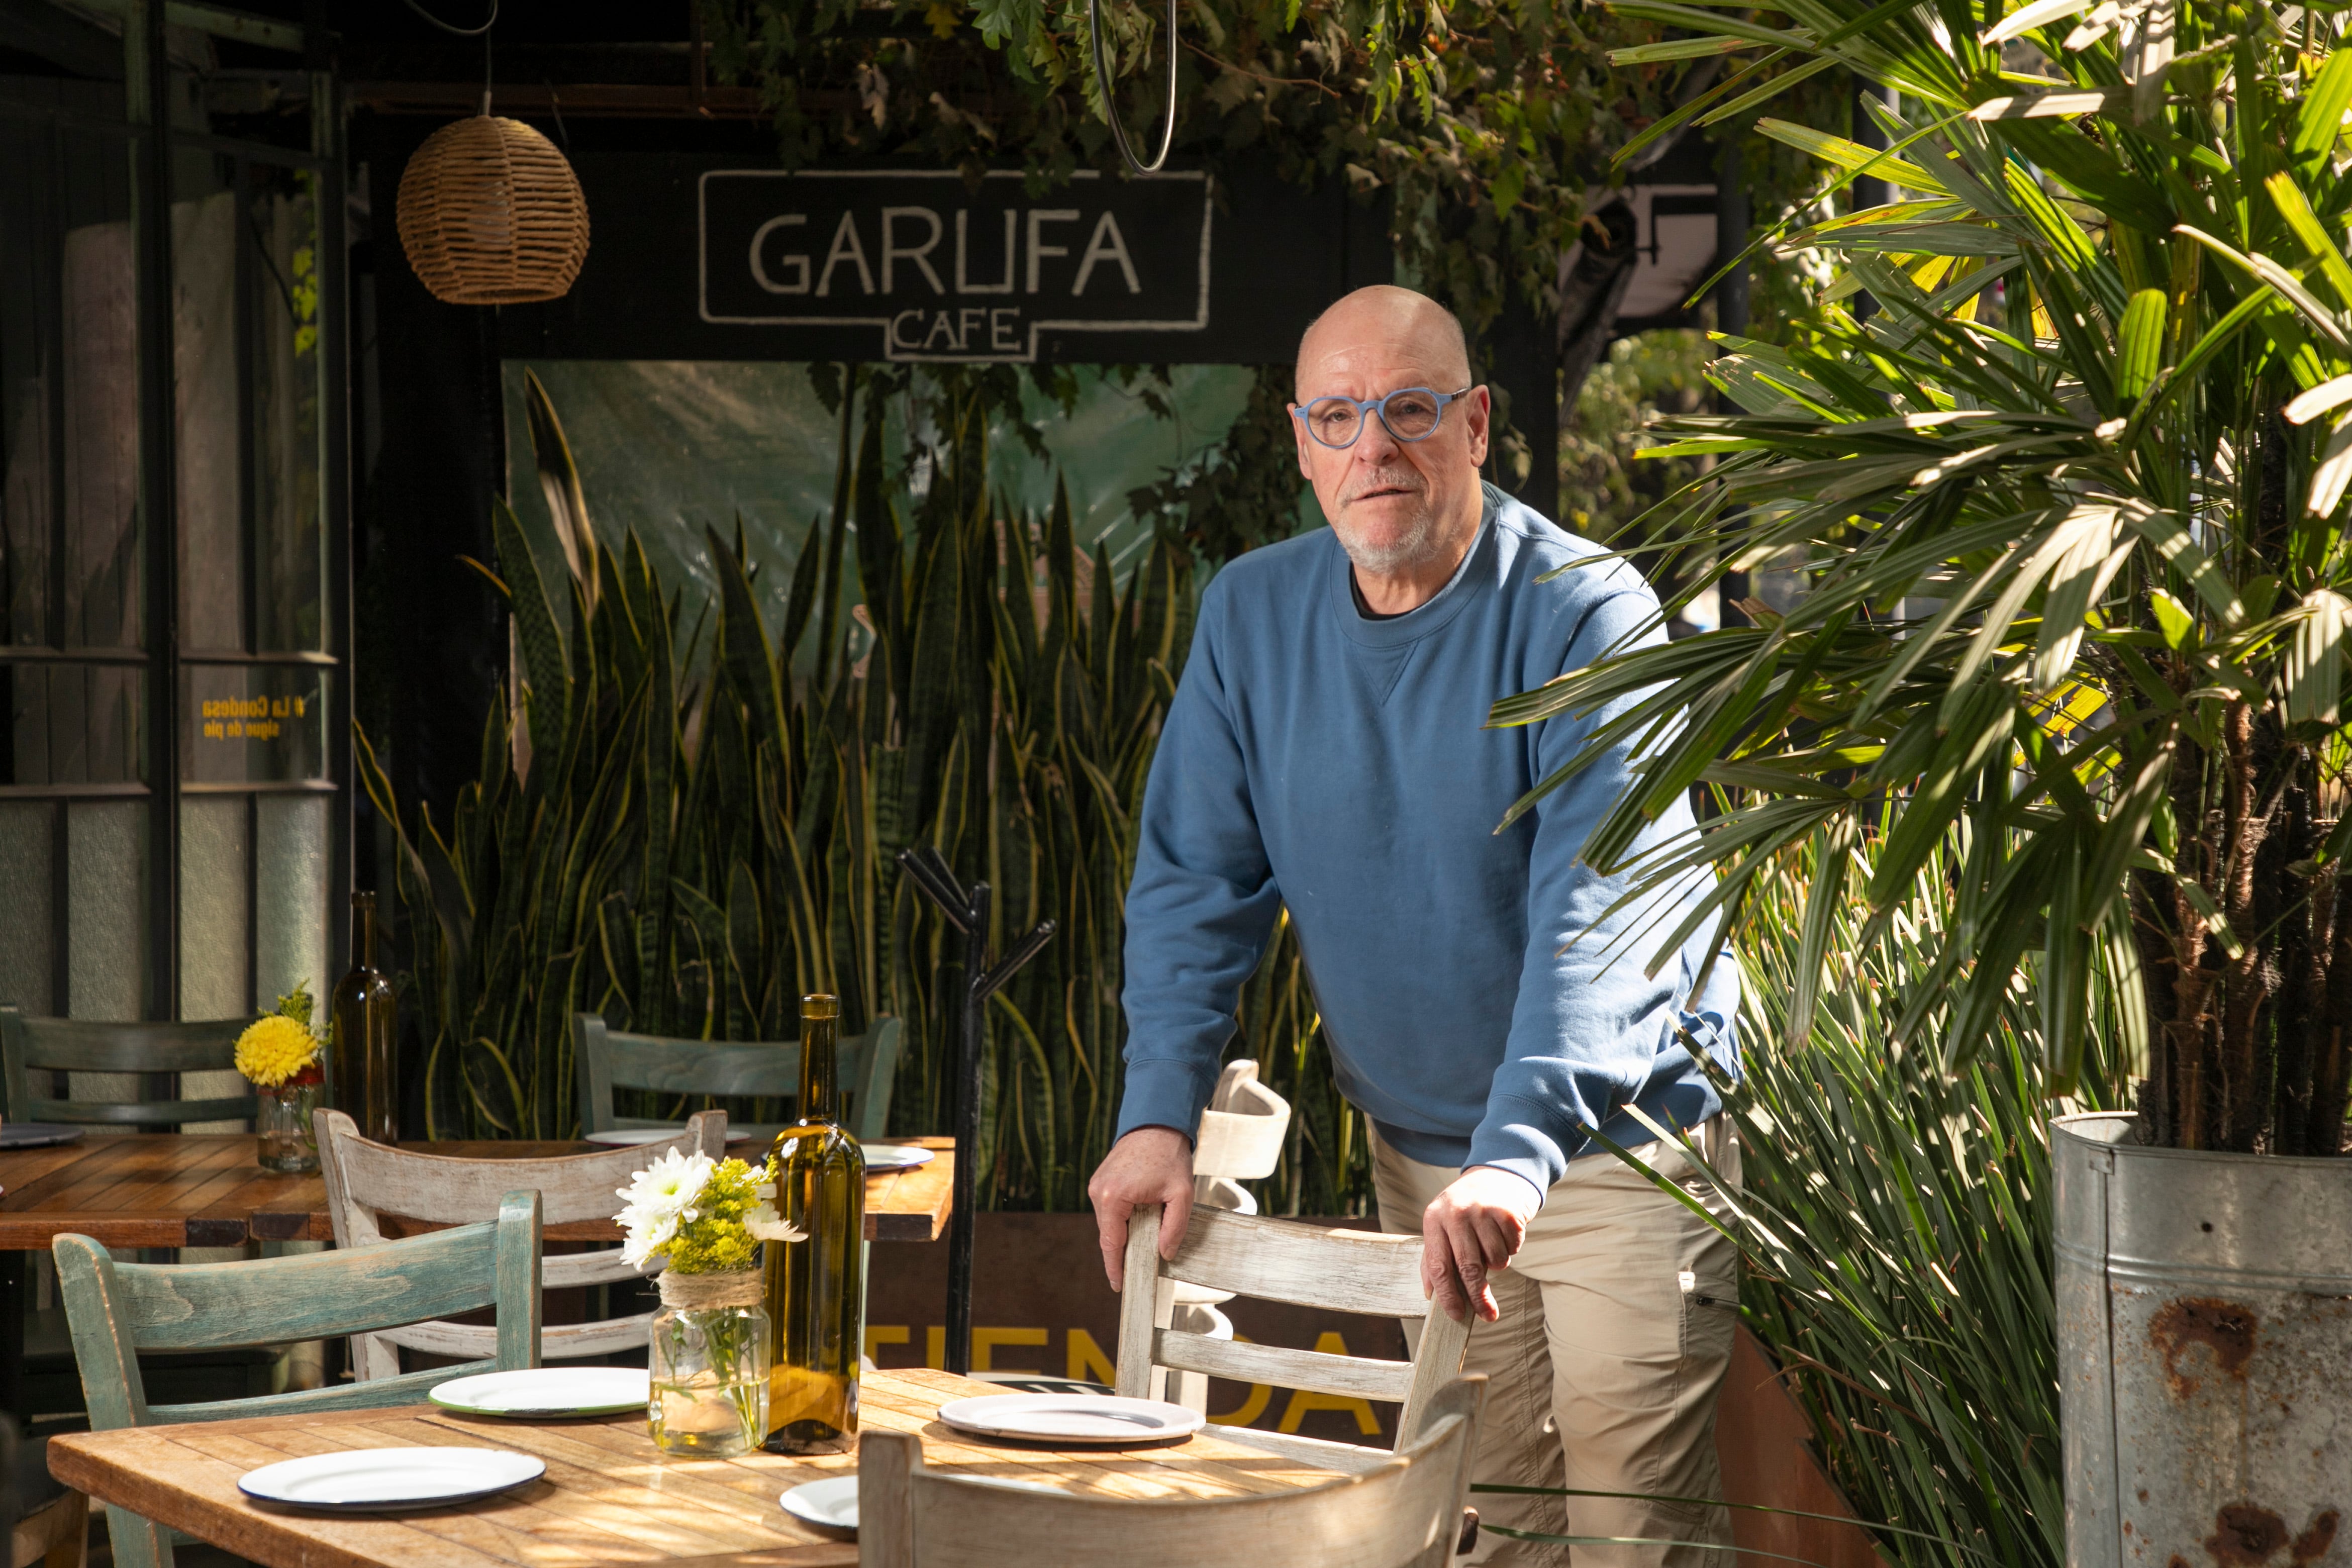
{"x": 117, "y": 1309}
{"x": 80, "y": 1044}
{"x": 608, "y": 1059}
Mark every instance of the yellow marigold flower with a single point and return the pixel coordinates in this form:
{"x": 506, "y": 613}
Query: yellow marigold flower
{"x": 273, "y": 1049}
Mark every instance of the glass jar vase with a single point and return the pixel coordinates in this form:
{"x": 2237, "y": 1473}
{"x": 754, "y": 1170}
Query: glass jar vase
{"x": 708, "y": 1362}
{"x": 281, "y": 1123}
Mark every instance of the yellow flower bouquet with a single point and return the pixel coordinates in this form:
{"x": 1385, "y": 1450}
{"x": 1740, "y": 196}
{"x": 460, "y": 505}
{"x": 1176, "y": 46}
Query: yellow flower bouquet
{"x": 278, "y": 1055}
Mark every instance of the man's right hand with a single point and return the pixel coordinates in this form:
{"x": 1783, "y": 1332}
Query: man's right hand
{"x": 1149, "y": 1165}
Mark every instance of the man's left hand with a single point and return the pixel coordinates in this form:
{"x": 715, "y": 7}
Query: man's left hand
{"x": 1470, "y": 1230}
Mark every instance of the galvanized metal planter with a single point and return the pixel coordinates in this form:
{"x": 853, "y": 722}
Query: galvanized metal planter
{"x": 2205, "y": 1354}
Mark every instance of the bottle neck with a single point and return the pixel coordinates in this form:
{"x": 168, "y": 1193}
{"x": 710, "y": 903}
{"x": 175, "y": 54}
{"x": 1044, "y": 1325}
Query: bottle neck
{"x": 364, "y": 934}
{"x": 820, "y": 1069}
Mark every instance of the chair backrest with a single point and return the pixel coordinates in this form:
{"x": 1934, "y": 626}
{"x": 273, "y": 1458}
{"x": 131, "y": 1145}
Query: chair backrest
{"x": 1406, "y": 1513}
{"x": 117, "y": 1309}
{"x": 1282, "y": 1260}
{"x": 365, "y": 1182}
{"x": 609, "y": 1059}
{"x": 29, "y": 1046}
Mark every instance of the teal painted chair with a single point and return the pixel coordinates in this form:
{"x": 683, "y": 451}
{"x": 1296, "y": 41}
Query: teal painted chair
{"x": 29, "y": 1046}
{"x": 117, "y": 1309}
{"x": 608, "y": 1059}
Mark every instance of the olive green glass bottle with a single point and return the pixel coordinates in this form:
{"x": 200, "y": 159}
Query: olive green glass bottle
{"x": 816, "y": 1287}
{"x": 363, "y": 1015}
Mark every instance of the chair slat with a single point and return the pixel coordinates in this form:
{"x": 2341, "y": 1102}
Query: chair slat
{"x": 76, "y": 1045}
{"x": 144, "y": 1113}
{"x": 565, "y": 1341}
{"x": 313, "y": 1296}
{"x": 1359, "y": 1377}
{"x": 1339, "y": 1270}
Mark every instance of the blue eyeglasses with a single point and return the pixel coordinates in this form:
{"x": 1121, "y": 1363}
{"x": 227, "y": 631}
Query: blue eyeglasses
{"x": 1409, "y": 413}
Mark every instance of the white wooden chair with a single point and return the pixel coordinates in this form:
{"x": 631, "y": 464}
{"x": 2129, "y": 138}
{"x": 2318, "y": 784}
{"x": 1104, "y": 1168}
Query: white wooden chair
{"x": 54, "y": 1535}
{"x": 1403, "y": 1512}
{"x": 1239, "y": 1139}
{"x": 1283, "y": 1260}
{"x": 367, "y": 1181}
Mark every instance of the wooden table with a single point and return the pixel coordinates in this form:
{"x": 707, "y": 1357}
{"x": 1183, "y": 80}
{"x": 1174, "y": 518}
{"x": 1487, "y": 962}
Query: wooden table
{"x": 206, "y": 1190}
{"x": 607, "y": 1495}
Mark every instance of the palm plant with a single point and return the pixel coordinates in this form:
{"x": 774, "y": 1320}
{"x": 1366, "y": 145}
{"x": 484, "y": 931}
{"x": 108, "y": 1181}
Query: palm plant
{"x": 2063, "y": 457}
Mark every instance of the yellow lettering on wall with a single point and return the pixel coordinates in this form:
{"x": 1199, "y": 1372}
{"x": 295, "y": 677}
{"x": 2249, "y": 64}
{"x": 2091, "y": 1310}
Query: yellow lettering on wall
{"x": 935, "y": 1338}
{"x": 888, "y": 1334}
{"x": 1301, "y": 1401}
{"x": 1086, "y": 1363}
{"x": 984, "y": 1344}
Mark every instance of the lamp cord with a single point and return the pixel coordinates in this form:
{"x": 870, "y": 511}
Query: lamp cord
{"x": 482, "y": 32}
{"x": 1111, "y": 98}
{"x": 460, "y": 32}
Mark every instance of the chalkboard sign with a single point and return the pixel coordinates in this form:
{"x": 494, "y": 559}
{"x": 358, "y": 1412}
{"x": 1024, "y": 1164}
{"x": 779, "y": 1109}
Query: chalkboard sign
{"x": 693, "y": 257}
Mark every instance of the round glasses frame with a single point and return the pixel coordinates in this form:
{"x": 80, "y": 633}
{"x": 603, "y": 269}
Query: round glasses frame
{"x": 1379, "y": 406}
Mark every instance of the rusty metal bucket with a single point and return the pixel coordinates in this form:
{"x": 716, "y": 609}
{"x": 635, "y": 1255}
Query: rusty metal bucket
{"x": 2204, "y": 1353}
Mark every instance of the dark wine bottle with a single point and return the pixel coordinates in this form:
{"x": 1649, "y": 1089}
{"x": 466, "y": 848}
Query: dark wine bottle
{"x": 362, "y": 1022}
{"x": 816, "y": 1286}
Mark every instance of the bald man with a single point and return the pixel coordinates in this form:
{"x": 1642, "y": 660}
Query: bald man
{"x": 1484, "y": 1002}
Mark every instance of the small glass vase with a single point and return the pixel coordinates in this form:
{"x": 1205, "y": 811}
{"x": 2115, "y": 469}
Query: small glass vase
{"x": 289, "y": 1144}
{"x": 708, "y": 1356}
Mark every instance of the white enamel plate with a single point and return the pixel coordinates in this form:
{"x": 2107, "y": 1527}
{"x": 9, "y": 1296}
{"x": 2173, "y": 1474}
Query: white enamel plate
{"x": 1087, "y": 1420}
{"x": 882, "y": 1157}
{"x": 632, "y": 1137}
{"x": 828, "y": 1507}
{"x": 548, "y": 1391}
{"x": 380, "y": 1480}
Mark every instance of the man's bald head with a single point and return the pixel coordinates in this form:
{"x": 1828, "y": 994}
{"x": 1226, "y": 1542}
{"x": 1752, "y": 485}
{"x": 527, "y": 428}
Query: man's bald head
{"x": 1404, "y": 510}
{"x": 1382, "y": 317}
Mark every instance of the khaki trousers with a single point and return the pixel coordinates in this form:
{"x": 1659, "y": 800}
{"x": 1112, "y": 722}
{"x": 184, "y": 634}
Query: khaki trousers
{"x": 1602, "y": 1371}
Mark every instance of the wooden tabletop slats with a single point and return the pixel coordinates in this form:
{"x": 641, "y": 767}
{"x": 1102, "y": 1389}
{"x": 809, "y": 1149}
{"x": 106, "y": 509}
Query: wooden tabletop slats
{"x": 209, "y": 1190}
{"x": 608, "y": 1497}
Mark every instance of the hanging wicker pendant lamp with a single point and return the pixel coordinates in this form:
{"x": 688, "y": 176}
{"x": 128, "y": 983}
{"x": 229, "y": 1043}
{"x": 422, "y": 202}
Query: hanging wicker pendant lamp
{"x": 490, "y": 214}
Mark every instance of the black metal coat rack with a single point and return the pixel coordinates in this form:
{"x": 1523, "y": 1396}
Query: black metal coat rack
{"x": 967, "y": 912}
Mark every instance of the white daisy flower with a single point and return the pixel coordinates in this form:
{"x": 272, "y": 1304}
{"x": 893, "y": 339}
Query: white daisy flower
{"x": 766, "y": 1224}
{"x": 671, "y": 1184}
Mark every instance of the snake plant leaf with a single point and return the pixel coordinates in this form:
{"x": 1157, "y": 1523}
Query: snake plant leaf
{"x": 545, "y": 659}
{"x": 559, "y": 481}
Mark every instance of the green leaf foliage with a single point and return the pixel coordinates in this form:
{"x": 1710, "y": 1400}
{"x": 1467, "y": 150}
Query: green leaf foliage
{"x": 2065, "y": 512}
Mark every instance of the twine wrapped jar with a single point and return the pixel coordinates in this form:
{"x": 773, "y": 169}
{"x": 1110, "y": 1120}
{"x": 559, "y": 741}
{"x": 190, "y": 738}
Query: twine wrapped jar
{"x": 490, "y": 214}
{"x": 708, "y": 1361}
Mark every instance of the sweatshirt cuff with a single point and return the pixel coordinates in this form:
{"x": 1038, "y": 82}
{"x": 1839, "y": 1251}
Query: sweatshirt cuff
{"x": 1161, "y": 1092}
{"x": 1526, "y": 1170}
{"x": 1522, "y": 1145}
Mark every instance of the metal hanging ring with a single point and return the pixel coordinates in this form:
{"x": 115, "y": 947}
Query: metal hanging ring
{"x": 1110, "y": 100}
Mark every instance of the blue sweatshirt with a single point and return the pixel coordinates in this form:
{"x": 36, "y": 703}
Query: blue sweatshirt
{"x": 1480, "y": 1006}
